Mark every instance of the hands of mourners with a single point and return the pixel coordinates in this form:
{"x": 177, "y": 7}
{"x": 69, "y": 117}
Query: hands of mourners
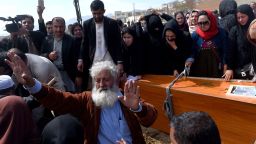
{"x": 23, "y": 32}
{"x": 228, "y": 75}
{"x": 175, "y": 73}
{"x": 131, "y": 96}
{"x": 188, "y": 63}
{"x": 122, "y": 141}
{"x": 40, "y": 11}
{"x": 53, "y": 56}
{"x": 254, "y": 79}
{"x": 20, "y": 69}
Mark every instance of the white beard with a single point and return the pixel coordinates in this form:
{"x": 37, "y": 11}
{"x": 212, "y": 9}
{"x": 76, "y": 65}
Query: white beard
{"x": 104, "y": 97}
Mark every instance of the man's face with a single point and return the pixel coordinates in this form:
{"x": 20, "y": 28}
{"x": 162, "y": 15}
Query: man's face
{"x": 194, "y": 17}
{"x": 104, "y": 80}
{"x": 253, "y": 5}
{"x": 49, "y": 29}
{"x": 104, "y": 93}
{"x": 98, "y": 15}
{"x": 27, "y": 24}
{"x": 58, "y": 28}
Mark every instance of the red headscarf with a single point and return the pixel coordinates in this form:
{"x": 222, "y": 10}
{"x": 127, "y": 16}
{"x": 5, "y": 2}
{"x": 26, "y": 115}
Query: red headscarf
{"x": 213, "y": 30}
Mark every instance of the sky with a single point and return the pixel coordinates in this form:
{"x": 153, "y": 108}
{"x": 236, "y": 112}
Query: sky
{"x": 66, "y": 9}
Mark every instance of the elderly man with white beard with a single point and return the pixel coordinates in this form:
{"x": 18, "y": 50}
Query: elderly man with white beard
{"x": 107, "y": 116}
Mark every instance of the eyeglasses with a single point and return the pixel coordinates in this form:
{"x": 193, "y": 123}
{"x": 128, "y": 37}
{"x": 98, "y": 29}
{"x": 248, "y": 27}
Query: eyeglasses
{"x": 203, "y": 23}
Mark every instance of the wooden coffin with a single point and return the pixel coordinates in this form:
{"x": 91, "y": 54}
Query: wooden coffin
{"x": 235, "y": 116}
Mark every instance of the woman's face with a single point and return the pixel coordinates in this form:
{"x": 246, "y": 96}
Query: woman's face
{"x": 204, "y": 23}
{"x": 78, "y": 33}
{"x": 128, "y": 39}
{"x": 170, "y": 36}
{"x": 242, "y": 18}
{"x": 180, "y": 19}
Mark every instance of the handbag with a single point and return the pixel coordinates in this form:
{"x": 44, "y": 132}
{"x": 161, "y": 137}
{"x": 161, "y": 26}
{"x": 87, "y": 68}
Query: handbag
{"x": 246, "y": 72}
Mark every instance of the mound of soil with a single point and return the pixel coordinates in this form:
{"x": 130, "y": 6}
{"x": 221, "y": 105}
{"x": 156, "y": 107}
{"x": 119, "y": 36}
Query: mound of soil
{"x": 154, "y": 136}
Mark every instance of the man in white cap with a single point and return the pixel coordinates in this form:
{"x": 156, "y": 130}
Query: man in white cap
{"x": 44, "y": 70}
{"x": 6, "y": 85}
{"x": 16, "y": 124}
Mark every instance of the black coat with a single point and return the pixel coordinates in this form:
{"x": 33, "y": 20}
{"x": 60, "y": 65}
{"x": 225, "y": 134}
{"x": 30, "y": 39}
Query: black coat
{"x": 175, "y": 59}
{"x": 227, "y": 10}
{"x": 68, "y": 53}
{"x": 112, "y": 37}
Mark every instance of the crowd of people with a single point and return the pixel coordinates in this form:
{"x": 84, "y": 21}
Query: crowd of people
{"x": 69, "y": 84}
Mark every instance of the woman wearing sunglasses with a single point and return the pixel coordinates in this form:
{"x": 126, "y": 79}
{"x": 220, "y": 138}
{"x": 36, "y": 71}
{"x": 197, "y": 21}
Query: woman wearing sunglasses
{"x": 209, "y": 48}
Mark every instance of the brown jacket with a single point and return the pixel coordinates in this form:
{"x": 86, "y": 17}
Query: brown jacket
{"x": 81, "y": 106}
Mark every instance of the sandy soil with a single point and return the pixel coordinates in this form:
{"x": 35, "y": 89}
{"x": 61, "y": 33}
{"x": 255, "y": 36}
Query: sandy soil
{"x": 153, "y": 136}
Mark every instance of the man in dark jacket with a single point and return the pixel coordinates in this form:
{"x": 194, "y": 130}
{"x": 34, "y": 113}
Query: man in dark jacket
{"x": 60, "y": 49}
{"x": 102, "y": 39}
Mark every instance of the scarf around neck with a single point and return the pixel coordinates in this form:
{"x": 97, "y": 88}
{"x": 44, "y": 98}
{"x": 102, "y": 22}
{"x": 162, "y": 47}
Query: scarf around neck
{"x": 213, "y": 30}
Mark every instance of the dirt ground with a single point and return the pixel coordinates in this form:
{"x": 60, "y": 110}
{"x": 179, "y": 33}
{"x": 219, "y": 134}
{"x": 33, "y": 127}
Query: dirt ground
{"x": 153, "y": 136}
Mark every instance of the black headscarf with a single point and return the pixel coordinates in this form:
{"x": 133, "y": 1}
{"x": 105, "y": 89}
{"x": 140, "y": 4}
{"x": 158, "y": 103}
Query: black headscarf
{"x": 173, "y": 26}
{"x": 154, "y": 22}
{"x": 246, "y": 9}
{"x": 227, "y": 9}
{"x": 184, "y": 26}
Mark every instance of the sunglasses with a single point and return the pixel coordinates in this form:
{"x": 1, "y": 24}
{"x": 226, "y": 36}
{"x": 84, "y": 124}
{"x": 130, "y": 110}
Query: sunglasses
{"x": 203, "y": 23}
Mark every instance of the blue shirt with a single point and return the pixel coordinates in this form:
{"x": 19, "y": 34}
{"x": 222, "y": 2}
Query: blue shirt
{"x": 113, "y": 126}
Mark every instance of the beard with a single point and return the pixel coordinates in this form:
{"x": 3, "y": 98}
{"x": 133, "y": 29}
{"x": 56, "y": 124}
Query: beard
{"x": 104, "y": 97}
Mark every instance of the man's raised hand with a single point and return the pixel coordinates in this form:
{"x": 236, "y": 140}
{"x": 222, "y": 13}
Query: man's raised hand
{"x": 20, "y": 69}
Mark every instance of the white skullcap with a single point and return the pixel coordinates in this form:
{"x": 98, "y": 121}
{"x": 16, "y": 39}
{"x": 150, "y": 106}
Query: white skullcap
{"x": 5, "y": 82}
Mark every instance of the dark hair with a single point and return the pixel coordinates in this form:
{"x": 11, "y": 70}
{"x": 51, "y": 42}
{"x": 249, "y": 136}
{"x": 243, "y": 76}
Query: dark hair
{"x": 48, "y": 23}
{"x": 195, "y": 128}
{"x": 247, "y": 10}
{"x": 75, "y": 25}
{"x": 179, "y": 12}
{"x": 59, "y": 19}
{"x": 97, "y": 5}
{"x": 28, "y": 16}
{"x": 129, "y": 30}
{"x": 195, "y": 10}
{"x": 203, "y": 13}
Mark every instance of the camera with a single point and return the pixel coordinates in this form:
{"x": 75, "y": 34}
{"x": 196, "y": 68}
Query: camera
{"x": 15, "y": 25}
